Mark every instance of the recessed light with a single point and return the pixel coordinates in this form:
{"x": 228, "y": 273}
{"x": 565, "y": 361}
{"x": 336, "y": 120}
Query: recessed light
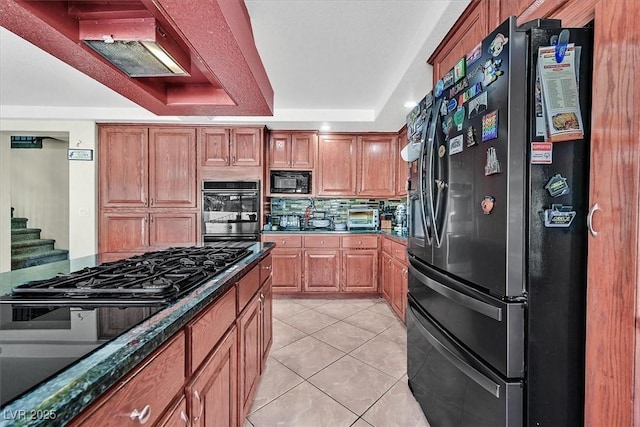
{"x": 325, "y": 128}
{"x": 410, "y": 104}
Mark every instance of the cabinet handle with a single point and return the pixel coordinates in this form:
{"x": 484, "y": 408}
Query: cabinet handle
{"x": 197, "y": 396}
{"x": 142, "y": 416}
{"x": 592, "y": 211}
{"x": 360, "y": 242}
{"x": 322, "y": 242}
{"x": 153, "y": 202}
{"x": 233, "y": 159}
{"x": 184, "y": 417}
{"x": 268, "y": 267}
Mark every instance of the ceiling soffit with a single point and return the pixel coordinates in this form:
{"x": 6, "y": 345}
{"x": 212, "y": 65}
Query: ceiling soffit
{"x": 211, "y": 40}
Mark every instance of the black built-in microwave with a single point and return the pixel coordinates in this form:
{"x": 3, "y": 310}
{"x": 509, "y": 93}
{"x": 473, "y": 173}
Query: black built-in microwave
{"x": 289, "y": 182}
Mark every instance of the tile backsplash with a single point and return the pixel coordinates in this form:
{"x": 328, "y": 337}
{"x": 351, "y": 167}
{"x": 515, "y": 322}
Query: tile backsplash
{"x": 335, "y": 209}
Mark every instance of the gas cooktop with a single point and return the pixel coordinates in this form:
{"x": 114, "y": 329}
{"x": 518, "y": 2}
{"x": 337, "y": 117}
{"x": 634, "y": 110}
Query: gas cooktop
{"x": 154, "y": 278}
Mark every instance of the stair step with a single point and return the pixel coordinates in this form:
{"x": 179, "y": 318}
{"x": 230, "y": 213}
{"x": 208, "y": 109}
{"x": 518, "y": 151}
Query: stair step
{"x": 29, "y": 260}
{"x": 25, "y": 234}
{"x": 31, "y": 246}
{"x": 17, "y": 223}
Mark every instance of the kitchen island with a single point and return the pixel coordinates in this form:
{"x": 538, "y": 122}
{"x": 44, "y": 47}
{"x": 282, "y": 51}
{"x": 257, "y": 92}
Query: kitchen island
{"x": 105, "y": 372}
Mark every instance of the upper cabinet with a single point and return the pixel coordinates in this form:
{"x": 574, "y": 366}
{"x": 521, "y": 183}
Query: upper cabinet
{"x": 336, "y": 170}
{"x": 142, "y": 167}
{"x": 223, "y": 147}
{"x": 376, "y": 165}
{"x": 292, "y": 150}
{"x": 402, "y": 167}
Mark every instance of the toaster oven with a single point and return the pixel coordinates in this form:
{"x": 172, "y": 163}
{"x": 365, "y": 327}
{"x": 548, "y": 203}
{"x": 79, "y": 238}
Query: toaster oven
{"x": 363, "y": 219}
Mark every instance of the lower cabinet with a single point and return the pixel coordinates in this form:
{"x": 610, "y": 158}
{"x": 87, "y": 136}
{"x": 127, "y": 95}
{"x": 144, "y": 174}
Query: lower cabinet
{"x": 359, "y": 269}
{"x": 321, "y": 270}
{"x": 212, "y": 391}
{"x": 395, "y": 276}
{"x": 206, "y": 374}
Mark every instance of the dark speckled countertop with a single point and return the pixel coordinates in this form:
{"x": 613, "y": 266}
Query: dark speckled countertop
{"x": 56, "y": 401}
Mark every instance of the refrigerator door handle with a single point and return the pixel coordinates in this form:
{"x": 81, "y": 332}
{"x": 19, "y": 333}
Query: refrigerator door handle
{"x": 429, "y": 142}
{"x": 468, "y": 370}
{"x": 423, "y": 214}
{"x": 488, "y": 310}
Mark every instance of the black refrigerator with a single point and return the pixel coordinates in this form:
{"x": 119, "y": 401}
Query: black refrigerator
{"x": 497, "y": 238}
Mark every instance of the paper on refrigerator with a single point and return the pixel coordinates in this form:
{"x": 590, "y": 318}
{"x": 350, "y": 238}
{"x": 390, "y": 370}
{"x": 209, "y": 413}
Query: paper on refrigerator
{"x": 560, "y": 100}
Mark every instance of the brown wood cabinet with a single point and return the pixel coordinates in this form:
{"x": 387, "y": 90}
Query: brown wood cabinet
{"x": 376, "y": 166}
{"x": 287, "y": 262}
{"x": 147, "y": 167}
{"x": 177, "y": 415}
{"x": 321, "y": 270}
{"x": 148, "y": 189}
{"x": 402, "y": 167}
{"x": 395, "y": 275}
{"x": 250, "y": 354}
{"x": 336, "y": 169}
{"x": 212, "y": 391}
{"x": 137, "y": 399}
{"x": 222, "y": 147}
{"x": 359, "y": 270}
{"x": 292, "y": 150}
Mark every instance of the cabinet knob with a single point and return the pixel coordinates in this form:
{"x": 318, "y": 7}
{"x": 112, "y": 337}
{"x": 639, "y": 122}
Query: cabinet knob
{"x": 322, "y": 242}
{"x": 284, "y": 242}
{"x": 142, "y": 416}
{"x": 360, "y": 242}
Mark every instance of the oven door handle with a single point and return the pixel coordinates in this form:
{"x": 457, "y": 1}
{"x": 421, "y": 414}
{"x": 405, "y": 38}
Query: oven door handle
{"x": 469, "y": 371}
{"x": 481, "y": 307}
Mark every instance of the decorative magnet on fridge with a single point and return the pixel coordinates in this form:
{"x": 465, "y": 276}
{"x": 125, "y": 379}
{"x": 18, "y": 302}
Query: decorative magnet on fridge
{"x": 490, "y": 126}
{"x": 455, "y": 145}
{"x": 493, "y": 164}
{"x": 471, "y": 137}
{"x": 460, "y": 69}
{"x": 487, "y": 204}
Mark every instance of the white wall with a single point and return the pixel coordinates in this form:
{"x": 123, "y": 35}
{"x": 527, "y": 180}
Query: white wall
{"x": 82, "y": 187}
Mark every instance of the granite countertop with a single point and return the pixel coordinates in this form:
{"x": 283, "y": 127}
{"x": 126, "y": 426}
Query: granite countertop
{"x": 395, "y": 235}
{"x": 56, "y": 401}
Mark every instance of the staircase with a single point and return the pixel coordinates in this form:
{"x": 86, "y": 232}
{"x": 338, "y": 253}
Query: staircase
{"x": 28, "y": 249}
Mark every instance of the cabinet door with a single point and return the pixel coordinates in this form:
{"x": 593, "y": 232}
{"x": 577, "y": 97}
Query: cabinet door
{"x": 287, "y": 270}
{"x": 173, "y": 229}
{"x": 387, "y": 281}
{"x": 172, "y": 167}
{"x": 336, "y": 169}
{"x": 123, "y": 156}
{"x": 212, "y": 392}
{"x": 246, "y": 147}
{"x": 250, "y": 354}
{"x": 280, "y": 150}
{"x": 359, "y": 269}
{"x": 123, "y": 231}
{"x": 402, "y": 167}
{"x": 177, "y": 416}
{"x": 266, "y": 337}
{"x": 321, "y": 271}
{"x": 399, "y": 277}
{"x": 303, "y": 150}
{"x": 214, "y": 147}
{"x": 376, "y": 165}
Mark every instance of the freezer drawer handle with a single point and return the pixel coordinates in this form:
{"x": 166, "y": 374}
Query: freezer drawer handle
{"x": 469, "y": 371}
{"x": 472, "y": 304}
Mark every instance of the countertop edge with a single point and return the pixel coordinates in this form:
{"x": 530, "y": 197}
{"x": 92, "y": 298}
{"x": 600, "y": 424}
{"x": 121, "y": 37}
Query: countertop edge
{"x": 61, "y": 398}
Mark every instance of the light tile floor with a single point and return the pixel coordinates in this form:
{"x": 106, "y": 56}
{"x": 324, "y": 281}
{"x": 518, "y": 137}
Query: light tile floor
{"x": 335, "y": 363}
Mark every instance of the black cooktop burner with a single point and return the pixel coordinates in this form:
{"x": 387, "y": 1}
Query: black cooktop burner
{"x": 152, "y": 278}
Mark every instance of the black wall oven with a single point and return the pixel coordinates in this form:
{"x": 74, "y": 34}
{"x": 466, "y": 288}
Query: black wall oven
{"x": 230, "y": 210}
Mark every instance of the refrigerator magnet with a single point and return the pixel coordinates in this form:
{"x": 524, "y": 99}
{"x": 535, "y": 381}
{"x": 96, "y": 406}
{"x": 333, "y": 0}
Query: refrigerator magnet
{"x": 442, "y": 150}
{"x": 487, "y": 204}
{"x": 490, "y": 126}
{"x": 471, "y": 137}
{"x": 448, "y": 79}
{"x": 459, "y": 87}
{"x": 492, "y": 166}
{"x": 557, "y": 186}
{"x": 475, "y": 54}
{"x": 491, "y": 71}
{"x": 439, "y": 88}
{"x": 458, "y": 118}
{"x": 559, "y": 216}
{"x": 443, "y": 107}
{"x": 447, "y": 124}
{"x": 497, "y": 45}
{"x": 455, "y": 145}
{"x": 452, "y": 105}
{"x": 478, "y": 104}
{"x": 459, "y": 70}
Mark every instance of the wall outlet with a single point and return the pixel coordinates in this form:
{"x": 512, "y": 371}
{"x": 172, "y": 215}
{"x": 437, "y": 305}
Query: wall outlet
{"x": 83, "y": 212}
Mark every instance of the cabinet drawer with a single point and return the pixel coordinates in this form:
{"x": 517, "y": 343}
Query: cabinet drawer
{"x": 247, "y": 287}
{"x": 284, "y": 241}
{"x": 368, "y": 242}
{"x": 204, "y": 332}
{"x": 399, "y": 251}
{"x": 387, "y": 246}
{"x": 265, "y": 269}
{"x": 138, "y": 393}
{"x": 322, "y": 241}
